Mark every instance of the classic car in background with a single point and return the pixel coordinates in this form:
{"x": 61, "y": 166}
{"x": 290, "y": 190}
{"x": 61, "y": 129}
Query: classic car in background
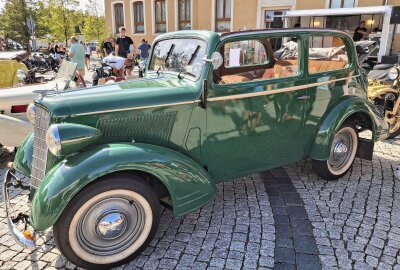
{"x": 15, "y": 100}
{"x": 384, "y": 90}
{"x": 209, "y": 109}
{"x": 12, "y": 71}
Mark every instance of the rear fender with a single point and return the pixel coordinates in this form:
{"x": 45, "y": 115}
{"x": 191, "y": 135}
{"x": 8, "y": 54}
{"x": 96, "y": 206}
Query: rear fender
{"x": 189, "y": 185}
{"x": 337, "y": 115}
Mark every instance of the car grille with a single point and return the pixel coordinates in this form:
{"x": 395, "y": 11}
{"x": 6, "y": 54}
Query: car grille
{"x": 42, "y": 123}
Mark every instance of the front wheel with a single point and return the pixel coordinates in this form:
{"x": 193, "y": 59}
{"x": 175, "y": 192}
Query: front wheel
{"x": 342, "y": 154}
{"x": 108, "y": 223}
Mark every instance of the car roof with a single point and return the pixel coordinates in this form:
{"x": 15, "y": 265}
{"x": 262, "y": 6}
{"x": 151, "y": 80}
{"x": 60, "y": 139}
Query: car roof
{"x": 280, "y": 30}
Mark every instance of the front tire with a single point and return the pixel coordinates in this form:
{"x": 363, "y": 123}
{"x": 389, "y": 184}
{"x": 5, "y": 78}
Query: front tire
{"x": 108, "y": 223}
{"x": 342, "y": 154}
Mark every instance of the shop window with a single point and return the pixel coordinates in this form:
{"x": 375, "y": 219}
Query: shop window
{"x": 118, "y": 16}
{"x": 184, "y": 11}
{"x": 250, "y": 60}
{"x": 326, "y": 53}
{"x": 342, "y": 3}
{"x": 223, "y": 15}
{"x": 138, "y": 16}
{"x": 160, "y": 11}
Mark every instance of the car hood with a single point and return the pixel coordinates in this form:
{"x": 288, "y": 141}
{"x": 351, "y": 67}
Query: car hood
{"x": 138, "y": 93}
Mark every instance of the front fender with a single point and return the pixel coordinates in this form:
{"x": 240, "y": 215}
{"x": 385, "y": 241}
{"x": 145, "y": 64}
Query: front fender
{"x": 338, "y": 113}
{"x": 189, "y": 185}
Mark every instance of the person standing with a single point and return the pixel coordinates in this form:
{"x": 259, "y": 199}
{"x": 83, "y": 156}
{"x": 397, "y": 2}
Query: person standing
{"x": 144, "y": 50}
{"x": 77, "y": 55}
{"x": 360, "y": 32}
{"x": 124, "y": 46}
{"x": 108, "y": 46}
{"x": 88, "y": 52}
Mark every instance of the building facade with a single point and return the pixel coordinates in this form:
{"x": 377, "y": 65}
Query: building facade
{"x": 149, "y": 18}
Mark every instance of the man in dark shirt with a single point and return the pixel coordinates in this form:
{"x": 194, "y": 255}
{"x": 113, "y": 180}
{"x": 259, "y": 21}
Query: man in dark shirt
{"x": 108, "y": 46}
{"x": 360, "y": 32}
{"x": 144, "y": 50}
{"x": 123, "y": 46}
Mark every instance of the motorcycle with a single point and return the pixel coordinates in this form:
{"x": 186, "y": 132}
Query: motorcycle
{"x": 384, "y": 91}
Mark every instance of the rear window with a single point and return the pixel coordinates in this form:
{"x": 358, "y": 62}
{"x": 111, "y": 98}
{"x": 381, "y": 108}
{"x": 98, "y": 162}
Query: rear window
{"x": 327, "y": 53}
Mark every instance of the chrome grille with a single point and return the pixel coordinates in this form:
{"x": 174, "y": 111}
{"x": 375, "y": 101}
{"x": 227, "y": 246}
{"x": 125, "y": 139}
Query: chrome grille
{"x": 39, "y": 161}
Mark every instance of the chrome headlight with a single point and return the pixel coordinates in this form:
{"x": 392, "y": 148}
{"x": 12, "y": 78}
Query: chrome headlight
{"x": 21, "y": 75}
{"x": 393, "y": 73}
{"x": 53, "y": 140}
{"x": 31, "y": 113}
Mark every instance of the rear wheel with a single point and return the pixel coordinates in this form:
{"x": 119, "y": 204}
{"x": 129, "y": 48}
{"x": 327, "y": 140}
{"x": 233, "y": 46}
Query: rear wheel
{"x": 342, "y": 154}
{"x": 394, "y": 125}
{"x": 108, "y": 223}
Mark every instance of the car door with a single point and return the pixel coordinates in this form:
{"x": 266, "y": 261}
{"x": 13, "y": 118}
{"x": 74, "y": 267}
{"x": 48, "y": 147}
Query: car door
{"x": 330, "y": 69}
{"x": 255, "y": 112}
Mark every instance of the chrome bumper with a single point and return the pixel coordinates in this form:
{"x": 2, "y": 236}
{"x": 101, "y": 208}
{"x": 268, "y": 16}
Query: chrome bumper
{"x": 11, "y": 181}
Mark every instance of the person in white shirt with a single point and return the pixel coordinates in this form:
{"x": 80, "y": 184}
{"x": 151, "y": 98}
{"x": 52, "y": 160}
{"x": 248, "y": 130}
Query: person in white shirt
{"x": 117, "y": 63}
{"x": 88, "y": 53}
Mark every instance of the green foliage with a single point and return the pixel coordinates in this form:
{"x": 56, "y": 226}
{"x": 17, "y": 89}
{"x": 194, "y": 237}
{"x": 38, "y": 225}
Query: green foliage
{"x": 95, "y": 22}
{"x": 13, "y": 21}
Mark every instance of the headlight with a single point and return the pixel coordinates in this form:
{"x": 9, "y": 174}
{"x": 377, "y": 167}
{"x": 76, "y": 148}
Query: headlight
{"x": 65, "y": 139}
{"x": 53, "y": 140}
{"x": 21, "y": 75}
{"x": 31, "y": 113}
{"x": 393, "y": 73}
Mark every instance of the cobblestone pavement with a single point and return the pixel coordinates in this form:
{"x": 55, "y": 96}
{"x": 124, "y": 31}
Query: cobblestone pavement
{"x": 257, "y": 222}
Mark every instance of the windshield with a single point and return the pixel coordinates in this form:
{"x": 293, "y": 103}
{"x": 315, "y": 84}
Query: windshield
{"x": 183, "y": 56}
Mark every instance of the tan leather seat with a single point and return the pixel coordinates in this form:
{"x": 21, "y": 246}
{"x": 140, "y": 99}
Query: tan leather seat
{"x": 316, "y": 66}
{"x": 228, "y": 79}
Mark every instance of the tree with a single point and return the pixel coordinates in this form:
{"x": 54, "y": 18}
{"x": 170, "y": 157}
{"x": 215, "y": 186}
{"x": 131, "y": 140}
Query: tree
{"x": 63, "y": 19}
{"x": 13, "y": 22}
{"x": 94, "y": 23}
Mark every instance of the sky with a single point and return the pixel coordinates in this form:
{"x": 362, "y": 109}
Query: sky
{"x": 82, "y": 3}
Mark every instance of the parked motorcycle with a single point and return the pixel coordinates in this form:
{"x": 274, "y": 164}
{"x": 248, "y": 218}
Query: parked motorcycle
{"x": 384, "y": 91}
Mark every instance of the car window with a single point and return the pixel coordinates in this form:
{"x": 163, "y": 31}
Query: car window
{"x": 326, "y": 53}
{"x": 258, "y": 59}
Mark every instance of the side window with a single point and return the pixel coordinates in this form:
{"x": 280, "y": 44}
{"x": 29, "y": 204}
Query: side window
{"x": 258, "y": 59}
{"x": 326, "y": 53}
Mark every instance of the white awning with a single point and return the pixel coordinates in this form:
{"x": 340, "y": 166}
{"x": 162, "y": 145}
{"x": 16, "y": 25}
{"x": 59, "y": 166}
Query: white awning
{"x": 338, "y": 11}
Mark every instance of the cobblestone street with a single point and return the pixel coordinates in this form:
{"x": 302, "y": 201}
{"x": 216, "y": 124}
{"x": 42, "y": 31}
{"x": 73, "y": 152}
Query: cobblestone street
{"x": 286, "y": 218}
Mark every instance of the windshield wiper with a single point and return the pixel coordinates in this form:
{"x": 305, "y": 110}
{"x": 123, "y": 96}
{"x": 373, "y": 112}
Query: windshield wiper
{"x": 194, "y": 54}
{"x": 169, "y": 52}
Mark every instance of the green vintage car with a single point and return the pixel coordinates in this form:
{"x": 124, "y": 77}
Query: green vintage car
{"x": 209, "y": 109}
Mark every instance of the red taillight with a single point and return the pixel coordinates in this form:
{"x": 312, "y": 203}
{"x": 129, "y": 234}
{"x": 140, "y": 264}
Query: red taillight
{"x": 19, "y": 108}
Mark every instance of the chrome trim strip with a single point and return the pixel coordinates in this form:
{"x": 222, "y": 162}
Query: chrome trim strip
{"x": 263, "y": 93}
{"x": 278, "y": 91}
{"x": 139, "y": 108}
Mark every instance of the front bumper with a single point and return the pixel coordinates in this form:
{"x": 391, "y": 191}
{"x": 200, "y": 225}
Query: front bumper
{"x": 12, "y": 181}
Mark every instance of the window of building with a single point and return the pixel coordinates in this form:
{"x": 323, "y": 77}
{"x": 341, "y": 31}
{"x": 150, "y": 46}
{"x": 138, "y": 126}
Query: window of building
{"x": 138, "y": 17}
{"x": 273, "y": 19}
{"x": 184, "y": 11}
{"x": 342, "y": 3}
{"x": 223, "y": 15}
{"x": 326, "y": 53}
{"x": 250, "y": 60}
{"x": 118, "y": 16}
{"x": 160, "y": 11}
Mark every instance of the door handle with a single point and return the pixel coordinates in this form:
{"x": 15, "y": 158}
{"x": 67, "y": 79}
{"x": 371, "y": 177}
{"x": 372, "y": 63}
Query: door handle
{"x": 303, "y": 97}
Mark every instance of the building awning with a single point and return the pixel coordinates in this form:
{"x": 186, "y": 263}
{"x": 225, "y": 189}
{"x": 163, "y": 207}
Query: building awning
{"x": 338, "y": 11}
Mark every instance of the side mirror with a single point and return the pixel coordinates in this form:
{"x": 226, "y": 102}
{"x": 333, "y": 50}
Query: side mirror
{"x": 216, "y": 60}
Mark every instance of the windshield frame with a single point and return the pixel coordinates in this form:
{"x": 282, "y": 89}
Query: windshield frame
{"x": 190, "y": 77}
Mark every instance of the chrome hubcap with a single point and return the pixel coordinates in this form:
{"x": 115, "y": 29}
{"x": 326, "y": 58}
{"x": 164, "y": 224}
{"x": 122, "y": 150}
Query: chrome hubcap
{"x": 341, "y": 151}
{"x": 111, "y": 225}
